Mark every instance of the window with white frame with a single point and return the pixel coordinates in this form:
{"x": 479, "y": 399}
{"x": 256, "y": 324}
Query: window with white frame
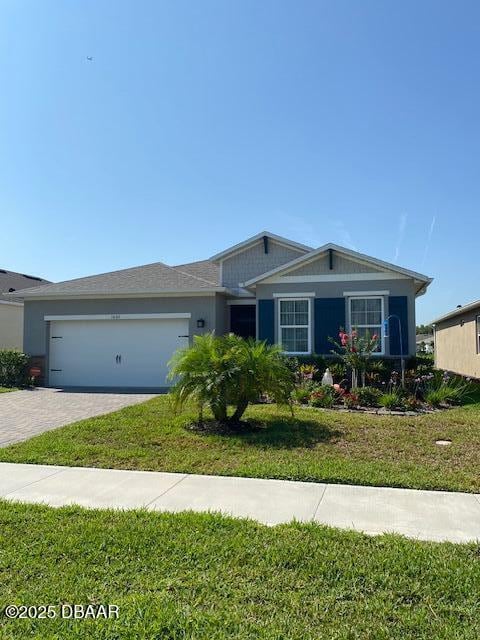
{"x": 478, "y": 334}
{"x": 366, "y": 316}
{"x": 294, "y": 325}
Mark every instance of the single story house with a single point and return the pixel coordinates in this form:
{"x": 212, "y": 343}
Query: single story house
{"x": 424, "y": 342}
{"x": 457, "y": 340}
{"x": 11, "y": 311}
{"x": 120, "y": 329}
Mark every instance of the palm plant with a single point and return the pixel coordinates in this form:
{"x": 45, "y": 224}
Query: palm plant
{"x": 219, "y": 371}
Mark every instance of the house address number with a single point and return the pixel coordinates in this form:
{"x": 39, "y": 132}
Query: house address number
{"x": 116, "y": 316}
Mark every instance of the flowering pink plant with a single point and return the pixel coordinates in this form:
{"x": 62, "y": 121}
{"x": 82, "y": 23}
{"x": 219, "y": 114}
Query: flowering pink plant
{"x": 356, "y": 351}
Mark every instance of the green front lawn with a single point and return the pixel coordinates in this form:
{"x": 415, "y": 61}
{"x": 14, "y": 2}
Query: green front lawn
{"x": 7, "y": 389}
{"x": 192, "y": 576}
{"x": 313, "y": 446}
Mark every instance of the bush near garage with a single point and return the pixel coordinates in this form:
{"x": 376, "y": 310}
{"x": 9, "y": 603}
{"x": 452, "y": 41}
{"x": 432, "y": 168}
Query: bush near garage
{"x": 13, "y": 368}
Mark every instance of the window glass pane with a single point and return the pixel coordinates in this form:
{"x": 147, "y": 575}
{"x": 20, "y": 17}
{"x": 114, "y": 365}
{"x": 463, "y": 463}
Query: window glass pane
{"x": 365, "y": 311}
{"x": 295, "y": 340}
{"x": 294, "y": 312}
{"x": 287, "y": 318}
{"x": 374, "y": 317}
{"x": 301, "y": 318}
{"x": 288, "y": 341}
{"x": 358, "y": 305}
{"x": 287, "y": 306}
{"x": 301, "y": 340}
{"x": 301, "y": 306}
{"x": 357, "y": 318}
{"x": 374, "y": 304}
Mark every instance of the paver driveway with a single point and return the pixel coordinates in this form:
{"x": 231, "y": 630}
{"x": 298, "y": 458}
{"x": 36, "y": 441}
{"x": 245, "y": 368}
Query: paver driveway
{"x": 24, "y": 414}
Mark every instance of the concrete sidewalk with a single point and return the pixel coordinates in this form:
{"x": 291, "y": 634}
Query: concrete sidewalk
{"x": 426, "y": 515}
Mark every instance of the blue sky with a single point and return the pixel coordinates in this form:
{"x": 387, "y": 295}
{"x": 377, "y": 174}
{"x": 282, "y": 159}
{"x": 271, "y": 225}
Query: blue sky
{"x": 198, "y": 124}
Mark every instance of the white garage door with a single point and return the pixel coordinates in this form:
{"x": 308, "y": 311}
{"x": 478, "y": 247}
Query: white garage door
{"x": 121, "y": 352}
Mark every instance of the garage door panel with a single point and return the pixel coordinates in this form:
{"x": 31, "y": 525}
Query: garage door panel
{"x": 114, "y": 353}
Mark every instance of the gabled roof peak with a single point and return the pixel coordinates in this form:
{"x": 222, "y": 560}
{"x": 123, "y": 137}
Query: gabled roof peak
{"x": 301, "y": 248}
{"x": 349, "y": 253}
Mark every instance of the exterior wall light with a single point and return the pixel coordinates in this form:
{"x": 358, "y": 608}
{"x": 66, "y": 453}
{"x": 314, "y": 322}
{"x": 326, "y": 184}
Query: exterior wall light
{"x": 200, "y": 323}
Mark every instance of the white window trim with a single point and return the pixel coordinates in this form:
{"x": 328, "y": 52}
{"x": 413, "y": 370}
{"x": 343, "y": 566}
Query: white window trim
{"x": 365, "y": 294}
{"x": 285, "y": 326}
{"x": 360, "y": 326}
{"x": 302, "y": 294}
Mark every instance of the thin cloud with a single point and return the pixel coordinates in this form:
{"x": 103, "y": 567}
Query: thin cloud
{"x": 429, "y": 240}
{"x": 345, "y": 236}
{"x": 401, "y": 234}
{"x": 299, "y": 228}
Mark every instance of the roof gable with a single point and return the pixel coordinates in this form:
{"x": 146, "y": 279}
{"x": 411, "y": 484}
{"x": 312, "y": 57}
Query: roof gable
{"x": 241, "y": 246}
{"x": 374, "y": 265}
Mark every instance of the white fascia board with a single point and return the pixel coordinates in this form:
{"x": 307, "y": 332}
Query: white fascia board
{"x": 301, "y": 294}
{"x": 12, "y": 304}
{"x": 242, "y": 246}
{"x": 121, "y": 316}
{"x": 341, "y": 277}
{"x": 152, "y": 294}
{"x": 366, "y": 293}
{"x": 354, "y": 255}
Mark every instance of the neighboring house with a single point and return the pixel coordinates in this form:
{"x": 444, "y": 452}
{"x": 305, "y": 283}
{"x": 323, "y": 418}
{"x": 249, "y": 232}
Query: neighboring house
{"x": 120, "y": 329}
{"x": 424, "y": 342}
{"x": 457, "y": 340}
{"x": 11, "y": 311}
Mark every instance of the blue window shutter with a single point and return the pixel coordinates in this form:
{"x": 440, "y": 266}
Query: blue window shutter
{"x": 266, "y": 321}
{"x": 329, "y": 318}
{"x": 398, "y": 306}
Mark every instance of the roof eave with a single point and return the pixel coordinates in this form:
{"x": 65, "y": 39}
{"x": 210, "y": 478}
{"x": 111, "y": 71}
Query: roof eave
{"x": 458, "y": 312}
{"x": 45, "y": 295}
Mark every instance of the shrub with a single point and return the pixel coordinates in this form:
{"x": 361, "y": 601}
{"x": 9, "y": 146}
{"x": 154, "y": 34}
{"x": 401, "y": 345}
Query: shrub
{"x": 323, "y": 397}
{"x": 355, "y": 352}
{"x": 301, "y": 394}
{"x": 435, "y": 397}
{"x": 392, "y": 400}
{"x": 338, "y": 371}
{"x": 13, "y": 368}
{"x": 219, "y": 371}
{"x": 350, "y": 400}
{"x": 306, "y": 373}
{"x": 446, "y": 389}
{"x": 368, "y": 396}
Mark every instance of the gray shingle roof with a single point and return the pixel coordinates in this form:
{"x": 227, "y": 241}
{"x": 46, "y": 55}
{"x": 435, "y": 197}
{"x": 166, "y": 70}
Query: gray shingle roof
{"x": 150, "y": 278}
{"x": 205, "y": 269}
{"x": 16, "y": 281}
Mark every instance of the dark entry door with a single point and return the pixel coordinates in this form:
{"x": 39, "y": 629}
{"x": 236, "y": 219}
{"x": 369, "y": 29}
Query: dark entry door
{"x": 242, "y": 320}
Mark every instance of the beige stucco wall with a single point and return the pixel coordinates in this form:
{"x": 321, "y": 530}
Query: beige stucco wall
{"x": 11, "y": 326}
{"x": 456, "y": 345}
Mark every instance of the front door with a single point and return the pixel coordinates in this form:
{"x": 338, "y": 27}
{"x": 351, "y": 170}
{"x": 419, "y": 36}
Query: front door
{"x": 242, "y": 320}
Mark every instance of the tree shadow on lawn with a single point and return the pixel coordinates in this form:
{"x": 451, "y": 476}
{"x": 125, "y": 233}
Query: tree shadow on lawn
{"x": 277, "y": 433}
